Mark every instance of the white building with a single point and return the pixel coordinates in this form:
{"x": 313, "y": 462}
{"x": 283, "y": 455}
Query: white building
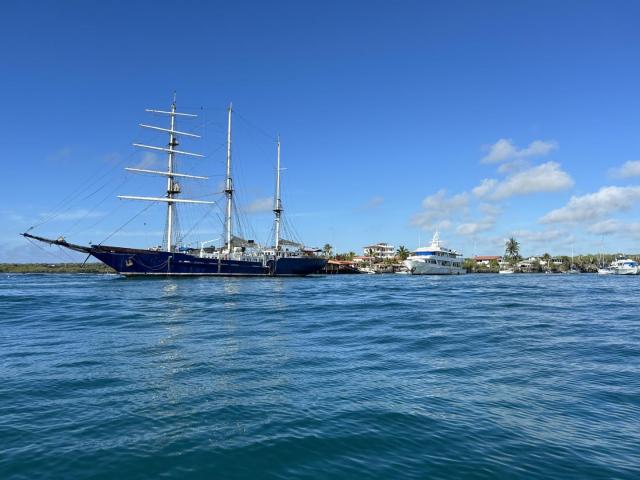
{"x": 487, "y": 259}
{"x": 362, "y": 259}
{"x": 379, "y": 250}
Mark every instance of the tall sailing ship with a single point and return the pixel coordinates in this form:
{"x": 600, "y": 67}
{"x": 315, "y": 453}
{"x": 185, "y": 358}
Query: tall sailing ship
{"x": 237, "y": 257}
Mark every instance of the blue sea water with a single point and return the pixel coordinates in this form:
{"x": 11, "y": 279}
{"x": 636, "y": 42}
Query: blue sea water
{"x": 385, "y": 376}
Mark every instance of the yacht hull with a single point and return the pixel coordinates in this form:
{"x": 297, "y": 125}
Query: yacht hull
{"x": 624, "y": 267}
{"x": 625, "y": 271}
{"x": 416, "y": 267}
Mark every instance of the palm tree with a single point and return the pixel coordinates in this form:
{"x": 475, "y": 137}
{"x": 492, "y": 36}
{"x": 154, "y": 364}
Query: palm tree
{"x": 512, "y": 249}
{"x": 470, "y": 265}
{"x": 402, "y": 253}
{"x": 327, "y": 249}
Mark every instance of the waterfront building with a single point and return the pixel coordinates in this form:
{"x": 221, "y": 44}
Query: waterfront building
{"x": 487, "y": 259}
{"x": 362, "y": 259}
{"x": 379, "y": 250}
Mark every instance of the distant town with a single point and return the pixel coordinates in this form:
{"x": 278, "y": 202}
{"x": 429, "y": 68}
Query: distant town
{"x": 386, "y": 258}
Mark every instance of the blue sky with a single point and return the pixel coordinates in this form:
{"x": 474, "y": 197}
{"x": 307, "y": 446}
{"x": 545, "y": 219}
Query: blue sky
{"x": 489, "y": 119}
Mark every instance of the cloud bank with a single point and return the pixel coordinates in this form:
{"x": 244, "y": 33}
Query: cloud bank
{"x": 596, "y": 205}
{"x": 547, "y": 177}
{"x": 627, "y": 170}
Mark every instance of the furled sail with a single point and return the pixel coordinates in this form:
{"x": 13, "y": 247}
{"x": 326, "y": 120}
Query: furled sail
{"x": 242, "y": 242}
{"x": 290, "y": 243}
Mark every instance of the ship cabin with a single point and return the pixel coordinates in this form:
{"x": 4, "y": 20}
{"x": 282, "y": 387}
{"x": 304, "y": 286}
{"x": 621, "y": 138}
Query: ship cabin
{"x": 438, "y": 256}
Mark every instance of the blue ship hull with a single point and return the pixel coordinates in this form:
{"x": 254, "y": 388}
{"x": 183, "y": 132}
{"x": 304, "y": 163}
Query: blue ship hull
{"x": 133, "y": 261}
{"x": 146, "y": 262}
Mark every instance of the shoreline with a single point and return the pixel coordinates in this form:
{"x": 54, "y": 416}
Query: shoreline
{"x": 60, "y": 268}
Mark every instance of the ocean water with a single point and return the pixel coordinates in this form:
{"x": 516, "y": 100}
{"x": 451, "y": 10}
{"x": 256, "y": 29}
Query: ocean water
{"x": 386, "y": 376}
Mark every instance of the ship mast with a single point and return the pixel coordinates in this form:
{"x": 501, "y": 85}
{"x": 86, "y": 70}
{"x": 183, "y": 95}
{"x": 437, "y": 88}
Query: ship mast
{"x": 228, "y": 190}
{"x": 173, "y": 187}
{"x": 277, "y": 208}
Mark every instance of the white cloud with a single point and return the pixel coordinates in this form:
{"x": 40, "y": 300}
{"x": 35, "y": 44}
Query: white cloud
{"x": 484, "y": 224}
{"x": 485, "y": 188}
{"x": 373, "y": 202}
{"x": 426, "y": 220}
{"x": 513, "y": 166}
{"x": 438, "y": 208}
{"x": 439, "y": 201}
{"x": 148, "y": 160}
{"x": 489, "y": 209}
{"x": 260, "y": 205}
{"x": 538, "y": 148}
{"x": 544, "y": 236}
{"x": 495, "y": 243}
{"x": 605, "y": 227}
{"x": 628, "y": 169}
{"x": 472, "y": 228}
{"x": 547, "y": 177}
{"x": 444, "y": 225}
{"x": 504, "y": 149}
{"x": 595, "y": 205}
{"x": 614, "y": 227}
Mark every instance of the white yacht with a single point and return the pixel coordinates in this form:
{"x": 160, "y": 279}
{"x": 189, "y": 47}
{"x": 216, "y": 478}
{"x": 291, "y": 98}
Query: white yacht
{"x": 624, "y": 266}
{"x": 434, "y": 260}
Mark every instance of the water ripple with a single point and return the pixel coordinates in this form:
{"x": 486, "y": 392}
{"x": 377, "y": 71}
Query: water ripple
{"x": 331, "y": 377}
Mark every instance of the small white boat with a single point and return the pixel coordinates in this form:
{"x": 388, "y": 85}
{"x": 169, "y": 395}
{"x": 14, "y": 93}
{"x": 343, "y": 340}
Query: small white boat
{"x": 624, "y": 266}
{"x": 368, "y": 270}
{"x": 506, "y": 271}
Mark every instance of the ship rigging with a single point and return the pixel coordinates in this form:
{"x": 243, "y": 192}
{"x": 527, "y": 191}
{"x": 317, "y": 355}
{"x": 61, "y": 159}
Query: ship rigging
{"x": 237, "y": 256}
